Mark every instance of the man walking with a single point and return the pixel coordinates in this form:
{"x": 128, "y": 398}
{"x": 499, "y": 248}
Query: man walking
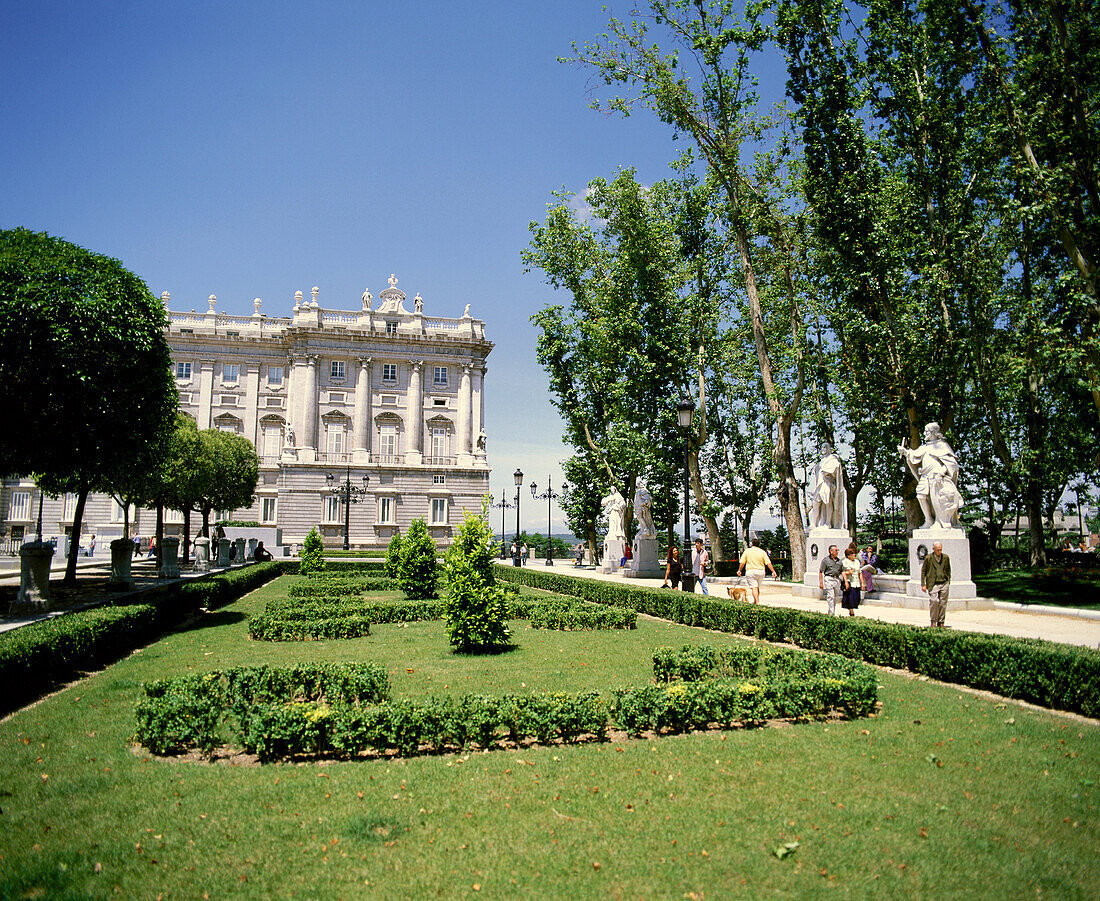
{"x": 828, "y": 577}
{"x": 700, "y": 560}
{"x": 935, "y": 578}
{"x": 756, "y": 559}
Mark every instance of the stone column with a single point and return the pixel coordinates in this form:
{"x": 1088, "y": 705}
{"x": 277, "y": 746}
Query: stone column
{"x": 414, "y": 413}
{"x": 202, "y": 554}
{"x": 170, "y": 558}
{"x": 239, "y": 558}
{"x": 360, "y": 451}
{"x": 34, "y": 578}
{"x": 206, "y": 392}
{"x": 122, "y": 553}
{"x": 478, "y": 409}
{"x": 223, "y": 552}
{"x": 465, "y": 417}
{"x": 308, "y": 398}
{"x": 251, "y": 402}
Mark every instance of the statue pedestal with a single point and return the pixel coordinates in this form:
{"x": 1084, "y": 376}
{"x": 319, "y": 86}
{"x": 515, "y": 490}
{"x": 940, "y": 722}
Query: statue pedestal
{"x": 614, "y": 549}
{"x": 202, "y": 555}
{"x": 645, "y": 564}
{"x": 34, "y": 578}
{"x": 122, "y": 554}
{"x": 956, "y": 546}
{"x": 223, "y": 552}
{"x": 817, "y": 549}
{"x": 169, "y": 558}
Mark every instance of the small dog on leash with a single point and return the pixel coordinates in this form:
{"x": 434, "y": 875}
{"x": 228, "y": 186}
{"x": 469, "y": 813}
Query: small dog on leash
{"x": 738, "y": 594}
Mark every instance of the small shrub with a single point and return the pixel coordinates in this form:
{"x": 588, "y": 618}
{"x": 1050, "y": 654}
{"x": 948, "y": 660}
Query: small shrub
{"x": 477, "y": 610}
{"x": 418, "y": 570}
{"x": 393, "y": 556}
{"x": 312, "y": 557}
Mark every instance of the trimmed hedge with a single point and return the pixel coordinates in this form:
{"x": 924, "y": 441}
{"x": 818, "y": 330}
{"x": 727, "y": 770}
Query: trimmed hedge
{"x": 1062, "y": 677}
{"x": 271, "y": 628}
{"x": 573, "y": 616}
{"x": 37, "y": 657}
{"x": 315, "y": 588}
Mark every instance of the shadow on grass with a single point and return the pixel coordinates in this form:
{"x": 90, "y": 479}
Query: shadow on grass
{"x": 213, "y": 619}
{"x": 1021, "y": 586}
{"x": 485, "y": 650}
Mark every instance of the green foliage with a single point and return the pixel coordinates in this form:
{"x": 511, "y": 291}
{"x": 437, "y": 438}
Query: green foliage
{"x": 271, "y": 628}
{"x": 476, "y": 607}
{"x": 37, "y": 657}
{"x": 393, "y": 556}
{"x": 1052, "y": 675}
{"x": 311, "y": 559}
{"x": 418, "y": 570}
{"x": 572, "y": 616}
{"x": 336, "y": 586}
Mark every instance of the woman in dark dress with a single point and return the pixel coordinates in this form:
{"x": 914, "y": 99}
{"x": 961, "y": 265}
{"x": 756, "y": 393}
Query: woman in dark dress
{"x": 674, "y": 569}
{"x": 850, "y": 581}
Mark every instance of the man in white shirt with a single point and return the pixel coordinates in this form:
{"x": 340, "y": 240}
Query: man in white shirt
{"x": 700, "y": 560}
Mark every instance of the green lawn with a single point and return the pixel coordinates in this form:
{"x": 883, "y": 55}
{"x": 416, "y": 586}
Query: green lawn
{"x": 1022, "y": 586}
{"x": 942, "y": 795}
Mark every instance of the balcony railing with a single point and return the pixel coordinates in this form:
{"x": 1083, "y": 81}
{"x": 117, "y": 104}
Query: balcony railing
{"x": 333, "y": 458}
{"x": 388, "y": 459}
{"x": 440, "y": 461}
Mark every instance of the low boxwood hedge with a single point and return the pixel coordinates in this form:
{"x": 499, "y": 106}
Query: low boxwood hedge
{"x": 342, "y": 587}
{"x": 42, "y": 655}
{"x": 1062, "y": 677}
{"x": 573, "y": 616}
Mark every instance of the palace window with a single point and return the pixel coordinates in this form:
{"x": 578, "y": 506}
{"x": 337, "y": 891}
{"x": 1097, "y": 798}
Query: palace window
{"x": 272, "y": 441}
{"x": 440, "y": 378}
{"x": 274, "y": 375}
{"x": 336, "y": 371}
{"x": 267, "y": 509}
{"x": 387, "y": 440}
{"x": 389, "y": 372}
{"x": 333, "y": 510}
{"x": 439, "y": 442}
{"x": 439, "y": 479}
{"x": 439, "y": 511}
{"x": 230, "y": 373}
{"x": 183, "y": 371}
{"x": 69, "y": 509}
{"x": 391, "y": 327}
{"x": 335, "y": 435}
{"x": 386, "y": 511}
{"x": 19, "y": 506}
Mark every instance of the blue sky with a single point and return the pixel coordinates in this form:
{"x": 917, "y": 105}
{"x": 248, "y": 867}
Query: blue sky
{"x": 255, "y": 149}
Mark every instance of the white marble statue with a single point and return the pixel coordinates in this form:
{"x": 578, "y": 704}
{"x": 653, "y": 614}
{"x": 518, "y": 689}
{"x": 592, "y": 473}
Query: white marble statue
{"x": 615, "y": 507}
{"x": 643, "y": 512}
{"x": 829, "y": 501}
{"x": 366, "y": 300}
{"x": 481, "y": 439}
{"x": 391, "y": 298}
{"x": 936, "y": 470}
{"x": 418, "y": 303}
{"x": 466, "y": 312}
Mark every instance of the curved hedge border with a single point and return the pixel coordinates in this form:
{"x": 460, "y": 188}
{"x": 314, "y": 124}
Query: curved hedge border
{"x": 343, "y": 709}
{"x": 314, "y": 588}
{"x": 1062, "y": 677}
{"x": 37, "y": 657}
{"x": 565, "y": 616}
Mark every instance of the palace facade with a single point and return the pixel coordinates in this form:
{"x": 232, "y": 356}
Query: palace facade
{"x": 385, "y": 393}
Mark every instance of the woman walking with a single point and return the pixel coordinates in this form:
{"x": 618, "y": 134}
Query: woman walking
{"x": 849, "y": 580}
{"x": 674, "y": 569}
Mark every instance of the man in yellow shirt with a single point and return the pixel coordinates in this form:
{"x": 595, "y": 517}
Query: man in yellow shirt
{"x": 756, "y": 559}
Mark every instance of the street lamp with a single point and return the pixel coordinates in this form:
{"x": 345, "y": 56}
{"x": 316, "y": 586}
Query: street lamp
{"x": 549, "y": 495}
{"x": 518, "y": 476}
{"x": 502, "y": 506}
{"x": 348, "y": 494}
{"x": 684, "y": 409}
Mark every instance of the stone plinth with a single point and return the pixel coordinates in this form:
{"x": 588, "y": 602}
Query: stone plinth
{"x": 202, "y": 554}
{"x": 817, "y": 549}
{"x": 252, "y": 548}
{"x": 614, "y": 549}
{"x": 956, "y": 546}
{"x": 239, "y": 544}
{"x": 34, "y": 578}
{"x": 122, "y": 554}
{"x": 169, "y": 558}
{"x": 645, "y": 564}
{"x": 223, "y": 552}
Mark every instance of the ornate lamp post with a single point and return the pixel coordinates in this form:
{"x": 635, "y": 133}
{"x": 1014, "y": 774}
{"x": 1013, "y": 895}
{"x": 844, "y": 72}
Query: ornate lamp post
{"x": 349, "y": 494}
{"x": 549, "y": 495}
{"x": 684, "y": 409}
{"x": 503, "y": 505}
{"x": 518, "y": 476}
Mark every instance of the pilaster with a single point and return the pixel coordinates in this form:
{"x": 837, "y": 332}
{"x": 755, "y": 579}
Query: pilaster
{"x": 206, "y": 392}
{"x": 360, "y": 451}
{"x": 251, "y": 402}
{"x": 414, "y": 413}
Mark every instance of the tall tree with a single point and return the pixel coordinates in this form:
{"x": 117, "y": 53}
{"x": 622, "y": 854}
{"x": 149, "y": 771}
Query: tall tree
{"x": 704, "y": 88}
{"x": 86, "y": 391}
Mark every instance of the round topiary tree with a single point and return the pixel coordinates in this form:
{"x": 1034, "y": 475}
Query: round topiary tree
{"x": 477, "y": 613}
{"x": 393, "y": 556}
{"x": 418, "y": 571}
{"x": 312, "y": 557}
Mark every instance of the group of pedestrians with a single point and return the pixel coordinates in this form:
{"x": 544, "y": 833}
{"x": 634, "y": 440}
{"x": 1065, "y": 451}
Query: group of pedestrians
{"x": 700, "y": 567}
{"x": 520, "y": 554}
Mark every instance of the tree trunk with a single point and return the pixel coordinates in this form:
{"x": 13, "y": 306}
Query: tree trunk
{"x": 789, "y": 496}
{"x": 185, "y": 547}
{"x": 160, "y": 532}
{"x": 74, "y": 540}
{"x": 703, "y": 502}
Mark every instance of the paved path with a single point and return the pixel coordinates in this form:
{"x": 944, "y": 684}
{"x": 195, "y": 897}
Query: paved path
{"x": 1080, "y": 627}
